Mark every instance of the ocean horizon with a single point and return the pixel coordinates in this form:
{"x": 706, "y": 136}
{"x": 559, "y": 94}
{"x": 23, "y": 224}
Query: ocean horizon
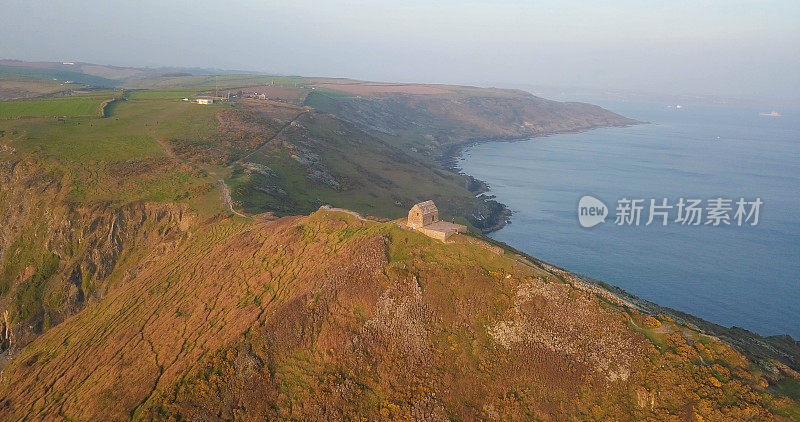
{"x": 733, "y": 275}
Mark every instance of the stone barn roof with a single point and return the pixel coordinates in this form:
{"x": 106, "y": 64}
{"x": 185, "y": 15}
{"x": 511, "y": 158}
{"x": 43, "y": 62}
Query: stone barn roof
{"x": 426, "y": 207}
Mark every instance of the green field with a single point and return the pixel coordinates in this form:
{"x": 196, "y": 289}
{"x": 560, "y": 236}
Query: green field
{"x": 55, "y": 107}
{"x": 163, "y": 94}
{"x": 118, "y": 158}
{"x": 149, "y": 145}
{"x": 205, "y": 82}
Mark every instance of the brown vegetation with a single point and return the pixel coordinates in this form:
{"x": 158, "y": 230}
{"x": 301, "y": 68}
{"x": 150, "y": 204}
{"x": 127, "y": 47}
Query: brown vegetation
{"x": 330, "y": 316}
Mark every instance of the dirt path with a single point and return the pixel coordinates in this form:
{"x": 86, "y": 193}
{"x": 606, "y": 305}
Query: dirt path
{"x": 226, "y": 196}
{"x": 226, "y": 192}
{"x": 168, "y": 149}
{"x": 353, "y": 213}
{"x": 271, "y": 138}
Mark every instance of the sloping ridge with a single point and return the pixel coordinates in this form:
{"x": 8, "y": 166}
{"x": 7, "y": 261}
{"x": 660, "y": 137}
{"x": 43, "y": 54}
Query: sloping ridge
{"x": 329, "y": 316}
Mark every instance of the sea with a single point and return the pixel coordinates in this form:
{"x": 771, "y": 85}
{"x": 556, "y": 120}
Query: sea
{"x": 733, "y": 274}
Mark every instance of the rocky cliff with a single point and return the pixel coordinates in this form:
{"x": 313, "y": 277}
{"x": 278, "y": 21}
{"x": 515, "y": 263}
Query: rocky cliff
{"x": 58, "y": 257}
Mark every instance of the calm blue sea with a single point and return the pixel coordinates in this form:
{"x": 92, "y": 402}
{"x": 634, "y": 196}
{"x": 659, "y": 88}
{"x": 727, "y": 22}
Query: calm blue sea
{"x": 744, "y": 276}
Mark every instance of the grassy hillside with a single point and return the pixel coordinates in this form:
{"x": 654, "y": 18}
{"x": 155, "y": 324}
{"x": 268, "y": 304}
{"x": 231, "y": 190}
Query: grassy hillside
{"x": 313, "y": 317}
{"x": 144, "y": 272}
{"x": 118, "y": 158}
{"x": 153, "y": 145}
{"x": 73, "y": 106}
{"x": 315, "y": 159}
{"x": 273, "y": 157}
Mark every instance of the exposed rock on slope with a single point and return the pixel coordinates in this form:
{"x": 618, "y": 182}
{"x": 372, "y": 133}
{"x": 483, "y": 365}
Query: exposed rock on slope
{"x": 55, "y": 257}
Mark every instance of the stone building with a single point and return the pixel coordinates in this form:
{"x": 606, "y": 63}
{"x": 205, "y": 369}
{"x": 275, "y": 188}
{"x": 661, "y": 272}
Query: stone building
{"x": 424, "y": 217}
{"x": 422, "y": 214}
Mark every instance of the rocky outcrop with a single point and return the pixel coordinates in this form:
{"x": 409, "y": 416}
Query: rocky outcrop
{"x": 55, "y": 257}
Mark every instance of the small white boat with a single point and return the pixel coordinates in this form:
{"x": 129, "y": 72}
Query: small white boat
{"x": 773, "y": 113}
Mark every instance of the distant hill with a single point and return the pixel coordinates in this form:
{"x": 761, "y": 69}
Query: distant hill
{"x": 104, "y": 76}
{"x": 441, "y": 118}
{"x": 58, "y": 74}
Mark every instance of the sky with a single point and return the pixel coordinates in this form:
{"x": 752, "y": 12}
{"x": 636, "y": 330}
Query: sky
{"x": 731, "y": 48}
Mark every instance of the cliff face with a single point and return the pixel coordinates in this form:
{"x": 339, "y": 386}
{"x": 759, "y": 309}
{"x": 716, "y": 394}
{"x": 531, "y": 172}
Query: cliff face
{"x": 55, "y": 258}
{"x": 330, "y": 316}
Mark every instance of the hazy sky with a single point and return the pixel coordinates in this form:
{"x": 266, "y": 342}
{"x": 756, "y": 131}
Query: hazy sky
{"x": 730, "y": 47}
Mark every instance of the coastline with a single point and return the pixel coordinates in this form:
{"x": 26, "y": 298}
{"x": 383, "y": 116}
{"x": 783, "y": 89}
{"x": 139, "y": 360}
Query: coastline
{"x": 781, "y": 348}
{"x": 496, "y": 213}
